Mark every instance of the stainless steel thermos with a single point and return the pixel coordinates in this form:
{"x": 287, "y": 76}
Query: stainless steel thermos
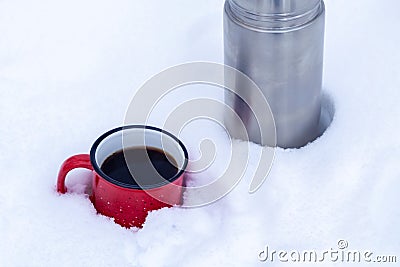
{"x": 279, "y": 45}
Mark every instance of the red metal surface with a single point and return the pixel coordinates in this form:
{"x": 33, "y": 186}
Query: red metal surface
{"x": 129, "y": 207}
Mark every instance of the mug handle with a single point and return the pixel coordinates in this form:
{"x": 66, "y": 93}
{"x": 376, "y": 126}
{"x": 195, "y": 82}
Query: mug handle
{"x": 77, "y": 161}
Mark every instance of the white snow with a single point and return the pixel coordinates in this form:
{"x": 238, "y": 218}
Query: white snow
{"x": 67, "y": 72}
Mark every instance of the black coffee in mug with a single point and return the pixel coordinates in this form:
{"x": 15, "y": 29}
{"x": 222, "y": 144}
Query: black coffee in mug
{"x": 145, "y": 166}
{"x": 146, "y": 152}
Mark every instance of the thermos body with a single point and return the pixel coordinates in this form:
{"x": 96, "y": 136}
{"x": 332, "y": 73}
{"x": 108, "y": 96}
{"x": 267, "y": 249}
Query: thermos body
{"x": 279, "y": 44}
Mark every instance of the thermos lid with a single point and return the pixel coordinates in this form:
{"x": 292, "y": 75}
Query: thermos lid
{"x": 276, "y": 13}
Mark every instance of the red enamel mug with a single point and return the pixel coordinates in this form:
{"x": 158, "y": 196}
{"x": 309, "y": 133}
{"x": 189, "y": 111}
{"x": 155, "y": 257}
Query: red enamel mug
{"x": 129, "y": 200}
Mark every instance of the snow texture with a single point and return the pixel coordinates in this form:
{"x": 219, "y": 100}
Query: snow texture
{"x": 67, "y": 72}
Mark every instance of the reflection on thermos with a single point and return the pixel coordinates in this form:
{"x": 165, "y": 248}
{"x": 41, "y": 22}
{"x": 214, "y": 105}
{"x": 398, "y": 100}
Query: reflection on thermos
{"x": 279, "y": 45}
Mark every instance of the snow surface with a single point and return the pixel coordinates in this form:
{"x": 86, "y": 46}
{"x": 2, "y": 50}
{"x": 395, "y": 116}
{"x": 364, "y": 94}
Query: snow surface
{"x": 67, "y": 72}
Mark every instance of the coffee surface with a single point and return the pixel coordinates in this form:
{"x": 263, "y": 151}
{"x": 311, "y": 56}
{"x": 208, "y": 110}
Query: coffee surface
{"x": 140, "y": 166}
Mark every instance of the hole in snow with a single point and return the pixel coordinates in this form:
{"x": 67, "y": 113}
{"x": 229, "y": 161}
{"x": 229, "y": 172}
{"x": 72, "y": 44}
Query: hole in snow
{"x": 327, "y": 115}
